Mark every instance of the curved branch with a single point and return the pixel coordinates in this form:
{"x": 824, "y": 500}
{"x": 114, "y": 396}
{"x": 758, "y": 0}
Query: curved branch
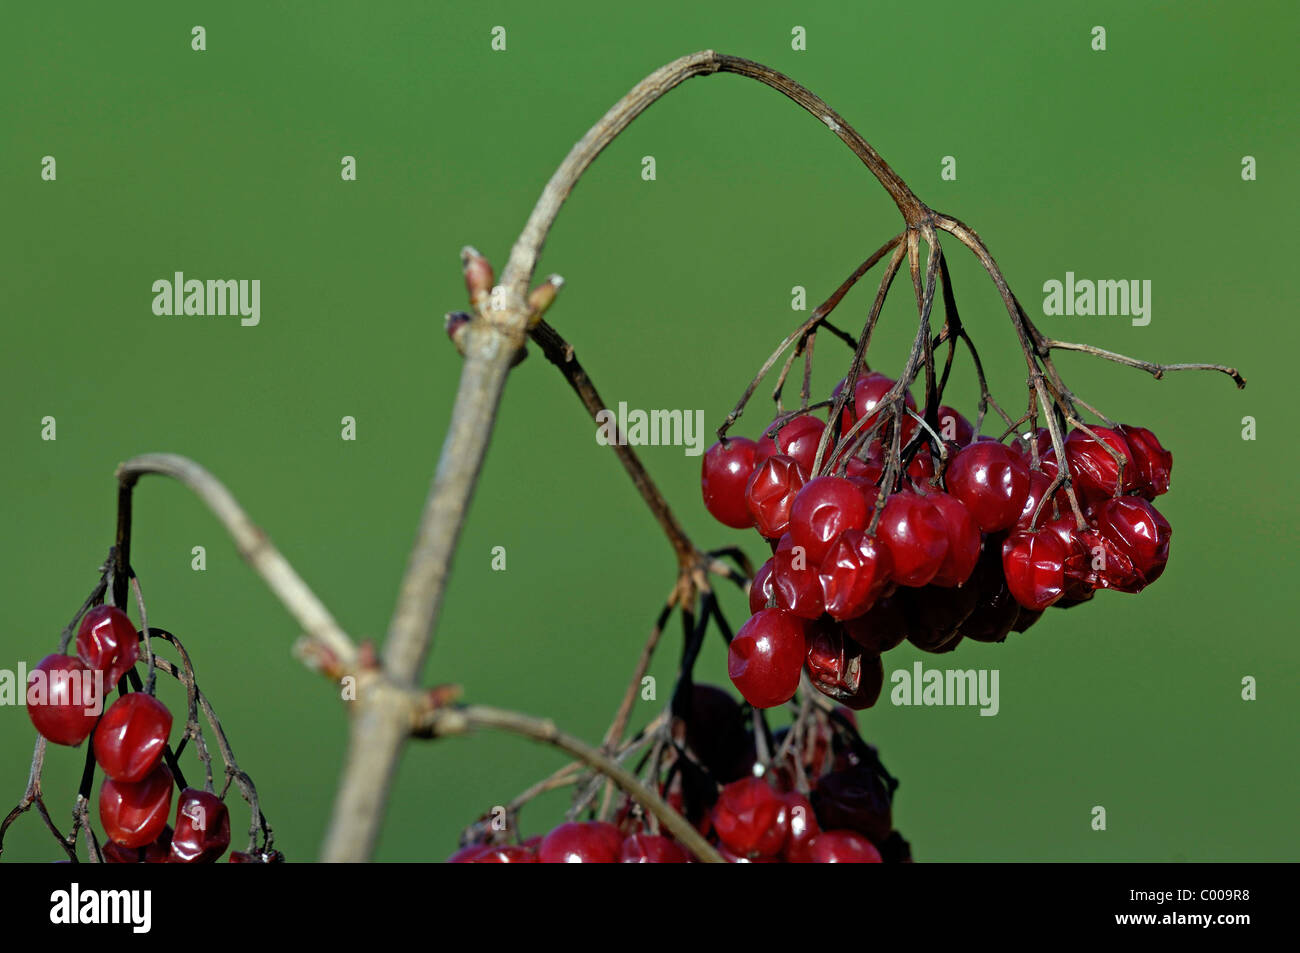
{"x": 253, "y": 545}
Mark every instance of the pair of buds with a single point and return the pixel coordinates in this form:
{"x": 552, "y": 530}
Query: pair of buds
{"x": 486, "y": 297}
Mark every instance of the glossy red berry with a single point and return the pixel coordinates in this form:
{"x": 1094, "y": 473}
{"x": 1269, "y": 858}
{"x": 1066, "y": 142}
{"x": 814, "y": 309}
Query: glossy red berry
{"x": 963, "y": 540}
{"x": 494, "y": 854}
{"x": 841, "y": 847}
{"x": 865, "y": 475}
{"x": 1139, "y": 531}
{"x": 882, "y": 628}
{"x": 854, "y": 574}
{"x": 867, "y": 395}
{"x": 589, "y": 842}
{"x": 751, "y": 819}
{"x": 1034, "y": 565}
{"x": 760, "y": 588}
{"x": 1094, "y": 471}
{"x": 954, "y": 427}
{"x": 1152, "y": 463}
{"x": 991, "y": 480}
{"x": 840, "y": 669}
{"x": 825, "y": 507}
{"x": 771, "y": 491}
{"x": 913, "y": 530}
{"x": 798, "y": 439}
{"x": 130, "y": 738}
{"x": 803, "y": 826}
{"x": 766, "y": 656}
{"x": 202, "y": 831}
{"x": 652, "y": 849}
{"x": 64, "y": 699}
{"x": 1078, "y": 559}
{"x": 724, "y": 473}
{"x": 134, "y": 815}
{"x": 107, "y": 641}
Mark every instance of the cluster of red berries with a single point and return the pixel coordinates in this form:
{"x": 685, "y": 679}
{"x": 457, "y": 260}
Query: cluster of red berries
{"x": 966, "y": 549}
{"x": 750, "y": 814}
{"x": 129, "y": 741}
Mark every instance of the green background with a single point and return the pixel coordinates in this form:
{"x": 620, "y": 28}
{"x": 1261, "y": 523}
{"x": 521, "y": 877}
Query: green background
{"x": 225, "y": 163}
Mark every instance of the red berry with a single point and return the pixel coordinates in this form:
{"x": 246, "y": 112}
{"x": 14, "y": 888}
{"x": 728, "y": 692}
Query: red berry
{"x": 1152, "y": 463}
{"x": 64, "y": 699}
{"x": 130, "y": 738}
{"x": 1092, "y": 468}
{"x": 963, "y": 540}
{"x": 1034, "y": 564}
{"x": 133, "y": 815}
{"x": 935, "y": 615}
{"x": 107, "y": 641}
{"x": 590, "y": 842}
{"x": 724, "y": 473}
{"x": 1078, "y": 558}
{"x": 996, "y": 610}
{"x": 155, "y": 853}
{"x": 840, "y": 669}
{"x": 771, "y": 491}
{"x": 913, "y": 530}
{"x": 760, "y": 588}
{"x": 854, "y": 798}
{"x": 867, "y": 395}
{"x": 502, "y": 854}
{"x": 954, "y": 427}
{"x": 803, "y": 826}
{"x": 854, "y": 574}
{"x": 1139, "y": 531}
{"x": 766, "y": 657}
{"x": 824, "y": 508}
{"x": 992, "y": 481}
{"x": 796, "y": 587}
{"x": 882, "y": 628}
{"x": 841, "y": 847}
{"x": 751, "y": 819}
{"x": 652, "y": 849}
{"x": 798, "y": 438}
{"x": 865, "y": 475}
{"x": 202, "y": 831}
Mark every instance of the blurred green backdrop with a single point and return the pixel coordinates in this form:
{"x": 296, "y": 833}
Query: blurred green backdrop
{"x": 226, "y": 163}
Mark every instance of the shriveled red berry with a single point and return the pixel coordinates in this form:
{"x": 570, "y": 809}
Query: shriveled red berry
{"x": 991, "y": 480}
{"x": 798, "y": 438}
{"x": 64, "y": 699}
{"x": 771, "y": 491}
{"x": 133, "y": 815}
{"x": 913, "y": 530}
{"x": 1139, "y": 531}
{"x": 130, "y": 738}
{"x": 652, "y": 849}
{"x": 963, "y": 540}
{"x": 588, "y": 842}
{"x": 1152, "y": 463}
{"x": 1034, "y": 565}
{"x": 841, "y": 669}
{"x": 766, "y": 656}
{"x": 760, "y": 588}
{"x": 823, "y": 509}
{"x": 796, "y": 587}
{"x": 880, "y": 629}
{"x": 1093, "y": 469}
{"x": 751, "y": 819}
{"x": 854, "y": 798}
{"x": 841, "y": 847}
{"x": 1078, "y": 559}
{"x": 155, "y": 853}
{"x": 107, "y": 641}
{"x": 726, "y": 470}
{"x": 854, "y": 574}
{"x": 202, "y": 831}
